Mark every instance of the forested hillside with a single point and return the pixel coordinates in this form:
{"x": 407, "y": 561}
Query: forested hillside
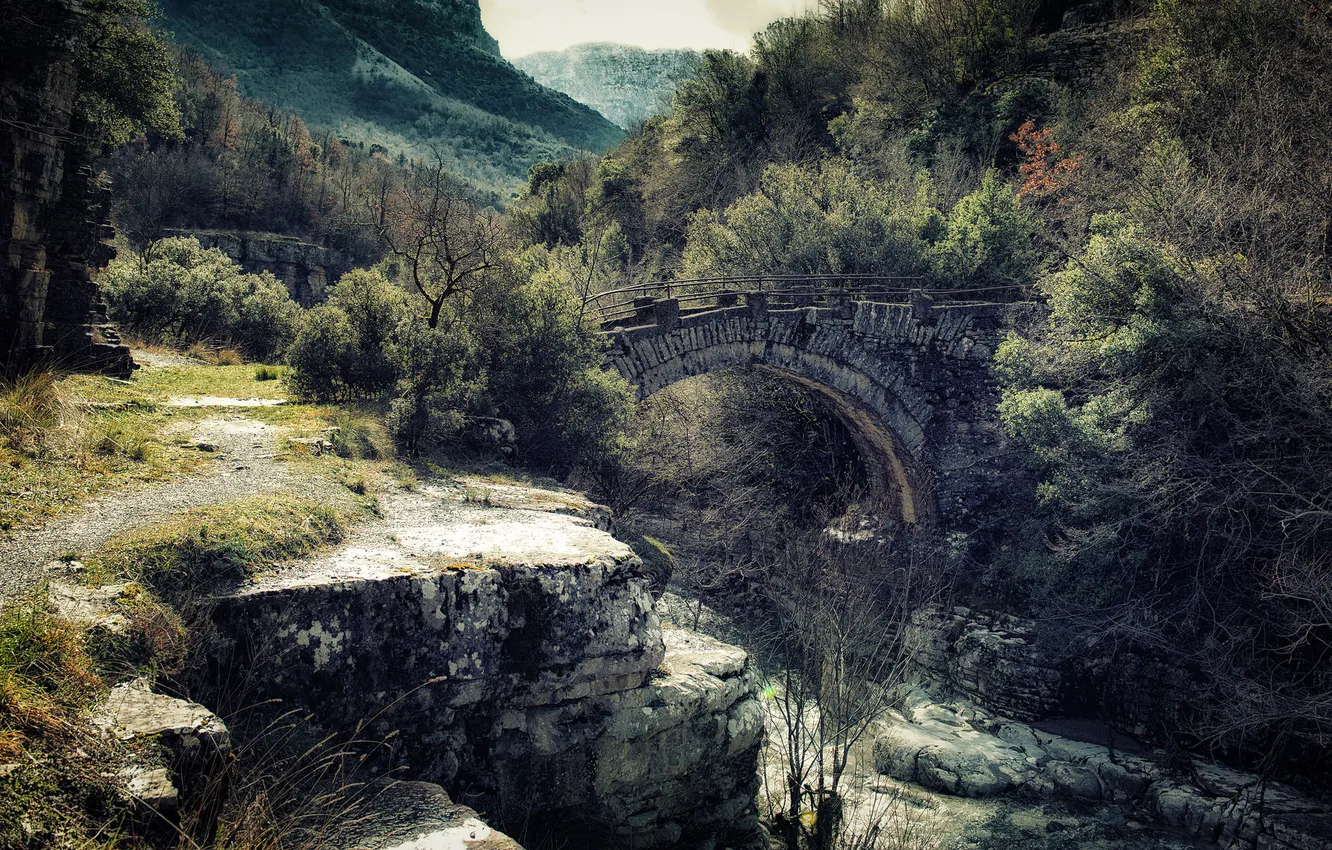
{"x": 626, "y": 84}
{"x": 414, "y": 75}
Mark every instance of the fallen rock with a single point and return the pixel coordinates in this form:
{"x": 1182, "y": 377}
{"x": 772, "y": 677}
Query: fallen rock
{"x": 90, "y": 607}
{"x": 188, "y": 730}
{"x": 1074, "y": 781}
{"x": 194, "y": 741}
{"x": 151, "y": 791}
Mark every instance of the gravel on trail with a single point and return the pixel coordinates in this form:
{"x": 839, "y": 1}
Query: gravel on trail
{"x": 244, "y": 449}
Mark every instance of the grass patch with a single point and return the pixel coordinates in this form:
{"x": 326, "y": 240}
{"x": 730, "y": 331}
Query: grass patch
{"x": 359, "y": 435}
{"x": 63, "y": 441}
{"x": 122, "y": 435}
{"x": 226, "y": 381}
{"x": 46, "y": 674}
{"x": 57, "y": 790}
{"x": 267, "y": 373}
{"x": 209, "y": 547}
{"x": 153, "y": 641}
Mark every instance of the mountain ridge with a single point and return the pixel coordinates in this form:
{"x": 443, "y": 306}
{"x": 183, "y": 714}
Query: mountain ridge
{"x": 421, "y": 76}
{"x": 627, "y": 84}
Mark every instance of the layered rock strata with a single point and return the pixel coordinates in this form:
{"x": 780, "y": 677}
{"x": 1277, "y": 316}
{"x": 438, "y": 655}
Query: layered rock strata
{"x": 963, "y": 750}
{"x": 306, "y": 269}
{"x": 516, "y": 658}
{"x": 53, "y": 210}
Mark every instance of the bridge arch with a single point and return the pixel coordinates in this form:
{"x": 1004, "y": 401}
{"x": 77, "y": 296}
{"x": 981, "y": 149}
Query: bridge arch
{"x": 913, "y": 384}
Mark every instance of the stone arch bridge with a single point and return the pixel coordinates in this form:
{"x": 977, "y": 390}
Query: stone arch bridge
{"x": 912, "y": 381}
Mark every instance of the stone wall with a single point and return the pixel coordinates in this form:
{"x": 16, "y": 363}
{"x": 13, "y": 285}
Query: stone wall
{"x": 913, "y": 383}
{"x": 306, "y": 269}
{"x": 1087, "y": 50}
{"x": 53, "y": 211}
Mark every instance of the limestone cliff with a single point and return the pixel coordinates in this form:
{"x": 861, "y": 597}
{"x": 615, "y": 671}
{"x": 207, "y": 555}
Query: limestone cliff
{"x": 306, "y": 269}
{"x": 518, "y": 658}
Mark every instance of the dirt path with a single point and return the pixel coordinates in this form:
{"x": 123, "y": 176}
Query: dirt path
{"x": 244, "y": 449}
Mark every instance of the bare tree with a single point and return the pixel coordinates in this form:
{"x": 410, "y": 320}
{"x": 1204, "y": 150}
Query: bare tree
{"x": 447, "y": 243}
{"x": 837, "y": 645}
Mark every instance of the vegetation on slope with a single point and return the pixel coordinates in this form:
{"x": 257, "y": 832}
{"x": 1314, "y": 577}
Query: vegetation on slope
{"x": 627, "y": 84}
{"x": 410, "y": 75}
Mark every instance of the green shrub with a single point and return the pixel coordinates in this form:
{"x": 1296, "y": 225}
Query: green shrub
{"x": 374, "y": 307}
{"x": 546, "y": 377}
{"x": 989, "y": 240}
{"x": 812, "y": 220}
{"x": 178, "y": 292}
{"x": 322, "y": 355}
{"x": 440, "y": 380}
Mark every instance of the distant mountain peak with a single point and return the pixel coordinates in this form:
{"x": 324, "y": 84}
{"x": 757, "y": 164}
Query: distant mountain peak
{"x": 625, "y": 83}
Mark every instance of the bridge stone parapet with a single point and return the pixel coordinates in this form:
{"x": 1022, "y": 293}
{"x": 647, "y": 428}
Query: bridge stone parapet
{"x": 913, "y": 382}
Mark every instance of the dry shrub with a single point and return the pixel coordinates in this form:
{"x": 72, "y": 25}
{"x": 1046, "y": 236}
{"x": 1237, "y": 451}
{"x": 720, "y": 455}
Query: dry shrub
{"x": 216, "y": 355}
{"x": 359, "y": 435}
{"x": 30, "y": 410}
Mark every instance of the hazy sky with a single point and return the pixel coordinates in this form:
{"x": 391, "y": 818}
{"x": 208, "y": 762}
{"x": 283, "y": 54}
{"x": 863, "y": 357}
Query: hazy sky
{"x": 526, "y": 26}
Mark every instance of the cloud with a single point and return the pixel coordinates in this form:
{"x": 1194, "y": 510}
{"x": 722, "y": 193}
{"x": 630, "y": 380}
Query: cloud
{"x": 748, "y": 16}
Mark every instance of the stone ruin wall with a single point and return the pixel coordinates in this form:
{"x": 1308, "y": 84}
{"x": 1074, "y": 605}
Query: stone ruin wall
{"x": 53, "y": 209}
{"x": 306, "y": 269}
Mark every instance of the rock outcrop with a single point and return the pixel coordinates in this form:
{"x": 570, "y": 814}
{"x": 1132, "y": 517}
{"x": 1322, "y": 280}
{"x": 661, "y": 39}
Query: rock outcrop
{"x": 415, "y": 816}
{"x": 306, "y": 269}
{"x": 1015, "y": 667}
{"x": 517, "y": 658}
{"x": 963, "y": 750}
{"x": 53, "y": 210}
{"x": 187, "y": 752}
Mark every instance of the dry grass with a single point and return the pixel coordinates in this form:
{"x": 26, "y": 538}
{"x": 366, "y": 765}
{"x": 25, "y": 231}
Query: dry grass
{"x": 60, "y": 443}
{"x": 359, "y": 435}
{"x": 215, "y": 355}
{"x": 30, "y": 411}
{"x": 58, "y": 791}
